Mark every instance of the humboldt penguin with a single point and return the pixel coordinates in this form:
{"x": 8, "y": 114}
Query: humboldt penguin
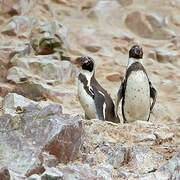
{"x": 136, "y": 90}
{"x": 93, "y": 98}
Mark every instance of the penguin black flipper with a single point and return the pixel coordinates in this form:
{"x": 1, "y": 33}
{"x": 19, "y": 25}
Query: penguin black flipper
{"x": 99, "y": 101}
{"x": 120, "y": 95}
{"x": 153, "y": 95}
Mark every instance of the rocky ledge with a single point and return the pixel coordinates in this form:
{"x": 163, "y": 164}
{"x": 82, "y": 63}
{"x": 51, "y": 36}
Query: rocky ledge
{"x": 38, "y": 141}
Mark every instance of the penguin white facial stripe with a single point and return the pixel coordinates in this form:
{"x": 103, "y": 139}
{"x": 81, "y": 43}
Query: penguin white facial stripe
{"x": 101, "y": 93}
{"x": 91, "y": 90}
{"x": 104, "y": 105}
{"x": 104, "y": 110}
{"x": 88, "y": 75}
{"x": 84, "y": 81}
{"x": 86, "y": 101}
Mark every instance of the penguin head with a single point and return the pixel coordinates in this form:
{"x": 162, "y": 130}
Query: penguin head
{"x": 136, "y": 52}
{"x": 87, "y": 63}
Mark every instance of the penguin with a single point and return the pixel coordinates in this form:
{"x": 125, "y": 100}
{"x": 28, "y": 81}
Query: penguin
{"x": 136, "y": 89}
{"x": 93, "y": 98}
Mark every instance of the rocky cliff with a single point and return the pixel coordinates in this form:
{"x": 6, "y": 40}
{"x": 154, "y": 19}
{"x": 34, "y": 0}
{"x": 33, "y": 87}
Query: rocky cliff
{"x": 43, "y": 133}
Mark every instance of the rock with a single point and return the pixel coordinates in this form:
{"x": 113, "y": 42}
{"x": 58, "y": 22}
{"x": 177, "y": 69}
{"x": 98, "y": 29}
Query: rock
{"x": 3, "y": 72}
{"x": 163, "y": 136}
{"x": 78, "y": 172}
{"x": 121, "y": 61}
{"x": 20, "y": 26}
{"x": 175, "y": 43}
{"x": 27, "y": 136}
{"x": 124, "y": 38}
{"x": 16, "y": 176}
{"x": 50, "y": 38}
{"x": 176, "y": 20}
{"x": 160, "y": 113}
{"x": 83, "y": 171}
{"x": 17, "y": 74}
{"x": 9, "y": 49}
{"x": 125, "y": 2}
{"x": 155, "y": 20}
{"x": 106, "y": 12}
{"x": 153, "y": 176}
{"x": 49, "y": 160}
{"x": 13, "y": 101}
{"x": 164, "y": 56}
{"x": 135, "y": 21}
{"x": 32, "y": 90}
{"x": 144, "y": 137}
{"x": 148, "y": 26}
{"x": 68, "y": 3}
{"x": 90, "y": 159}
{"x": 34, "y": 177}
{"x": 4, "y": 174}
{"x": 175, "y": 3}
{"x": 93, "y": 48}
{"x": 87, "y": 4}
{"x": 152, "y": 54}
{"x": 65, "y": 146}
{"x": 27, "y": 68}
{"x": 106, "y": 53}
{"x": 39, "y": 91}
{"x": 105, "y": 172}
{"x": 87, "y": 39}
{"x": 15, "y": 7}
{"x": 114, "y": 77}
{"x": 117, "y": 156}
{"x": 1, "y": 20}
{"x": 166, "y": 82}
{"x": 121, "y": 48}
{"x": 35, "y": 166}
{"x": 142, "y": 159}
{"x": 5, "y": 88}
{"x": 52, "y": 173}
{"x": 169, "y": 170}
{"x": 125, "y": 174}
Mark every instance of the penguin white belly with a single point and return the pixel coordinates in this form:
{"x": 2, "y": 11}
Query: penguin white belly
{"x": 86, "y": 102}
{"x": 137, "y": 97}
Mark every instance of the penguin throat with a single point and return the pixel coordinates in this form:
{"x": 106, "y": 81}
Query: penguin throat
{"x": 133, "y": 60}
{"x": 88, "y": 75}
